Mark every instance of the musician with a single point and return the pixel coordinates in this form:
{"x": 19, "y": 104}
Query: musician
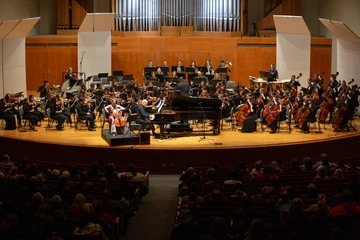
{"x": 294, "y": 84}
{"x": 134, "y": 85}
{"x": 114, "y": 106}
{"x": 183, "y": 87}
{"x": 111, "y": 119}
{"x": 274, "y": 73}
{"x": 85, "y": 113}
{"x": 150, "y": 64}
{"x": 311, "y": 86}
{"x": 60, "y": 106}
{"x": 56, "y": 112}
{"x": 71, "y": 77}
{"x": 34, "y": 106}
{"x": 222, "y": 64}
{"x": 280, "y": 117}
{"x": 9, "y": 118}
{"x": 143, "y": 117}
{"x": 10, "y": 103}
{"x": 333, "y": 84}
{"x": 193, "y": 65}
{"x": 225, "y": 107}
{"x": 208, "y": 68}
{"x": 165, "y": 64}
{"x": 153, "y": 79}
{"x": 204, "y": 93}
{"x": 44, "y": 89}
{"x": 73, "y": 101}
{"x": 29, "y": 115}
{"x": 249, "y": 124}
{"x": 311, "y": 117}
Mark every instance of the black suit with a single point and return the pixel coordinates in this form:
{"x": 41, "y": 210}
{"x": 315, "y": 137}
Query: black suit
{"x": 43, "y": 91}
{"x": 85, "y": 114}
{"x": 143, "y": 118}
{"x": 56, "y": 116}
{"x": 70, "y": 77}
{"x": 280, "y": 117}
{"x": 184, "y": 88}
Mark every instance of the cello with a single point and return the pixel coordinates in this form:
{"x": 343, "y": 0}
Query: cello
{"x": 339, "y": 114}
{"x": 242, "y": 114}
{"x": 275, "y": 111}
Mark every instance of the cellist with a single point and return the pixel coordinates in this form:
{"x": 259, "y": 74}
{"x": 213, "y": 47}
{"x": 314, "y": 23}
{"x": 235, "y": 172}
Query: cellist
{"x": 280, "y": 117}
{"x": 249, "y": 124}
{"x": 311, "y": 117}
{"x": 332, "y": 85}
{"x": 294, "y": 84}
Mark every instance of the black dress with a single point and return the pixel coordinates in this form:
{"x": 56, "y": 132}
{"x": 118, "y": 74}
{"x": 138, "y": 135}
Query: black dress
{"x": 249, "y": 124}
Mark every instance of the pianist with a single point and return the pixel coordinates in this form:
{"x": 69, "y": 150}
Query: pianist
{"x": 143, "y": 117}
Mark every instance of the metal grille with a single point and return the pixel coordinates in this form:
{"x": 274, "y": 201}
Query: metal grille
{"x": 203, "y": 15}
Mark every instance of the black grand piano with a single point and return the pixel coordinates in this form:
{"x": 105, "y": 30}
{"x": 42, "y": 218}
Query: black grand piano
{"x": 184, "y": 108}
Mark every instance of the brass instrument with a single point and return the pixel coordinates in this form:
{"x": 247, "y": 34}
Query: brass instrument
{"x": 228, "y": 64}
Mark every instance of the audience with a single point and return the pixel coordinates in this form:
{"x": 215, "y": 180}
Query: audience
{"x": 347, "y": 207}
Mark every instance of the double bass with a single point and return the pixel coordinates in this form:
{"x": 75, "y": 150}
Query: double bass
{"x": 339, "y": 114}
{"x": 293, "y": 90}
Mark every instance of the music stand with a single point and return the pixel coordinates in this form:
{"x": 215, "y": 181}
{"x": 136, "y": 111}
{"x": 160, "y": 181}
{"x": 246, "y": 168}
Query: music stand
{"x": 128, "y": 77}
{"x": 210, "y": 76}
{"x": 161, "y": 78}
{"x": 221, "y": 70}
{"x": 266, "y": 74}
{"x": 181, "y": 74}
{"x": 191, "y": 76}
{"x": 103, "y": 75}
{"x": 164, "y": 69}
{"x": 211, "y": 91}
{"x": 118, "y": 73}
{"x": 87, "y": 81}
{"x": 189, "y": 69}
{"x": 149, "y": 69}
{"x": 173, "y": 80}
{"x": 174, "y": 68}
{"x": 198, "y": 80}
{"x": 214, "y": 82}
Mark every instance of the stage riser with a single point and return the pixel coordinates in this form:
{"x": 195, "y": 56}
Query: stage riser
{"x": 173, "y": 161}
{"x": 129, "y": 138}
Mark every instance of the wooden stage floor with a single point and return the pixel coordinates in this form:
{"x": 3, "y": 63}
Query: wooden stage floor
{"x": 228, "y": 139}
{"x": 170, "y": 156}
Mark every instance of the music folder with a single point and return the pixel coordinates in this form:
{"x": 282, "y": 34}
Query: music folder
{"x": 265, "y": 74}
{"x": 174, "y": 68}
{"x": 221, "y": 70}
{"x": 164, "y": 69}
{"x": 189, "y": 69}
{"x": 103, "y": 75}
{"x": 198, "y": 80}
{"x": 173, "y": 79}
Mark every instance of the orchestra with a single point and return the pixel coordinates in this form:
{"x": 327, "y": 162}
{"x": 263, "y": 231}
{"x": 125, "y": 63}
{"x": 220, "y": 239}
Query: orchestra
{"x": 333, "y": 103}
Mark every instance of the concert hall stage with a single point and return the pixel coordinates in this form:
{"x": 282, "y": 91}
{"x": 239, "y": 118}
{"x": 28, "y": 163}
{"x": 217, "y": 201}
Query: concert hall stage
{"x": 170, "y": 155}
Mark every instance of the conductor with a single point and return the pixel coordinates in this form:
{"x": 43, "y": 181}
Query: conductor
{"x": 183, "y": 87}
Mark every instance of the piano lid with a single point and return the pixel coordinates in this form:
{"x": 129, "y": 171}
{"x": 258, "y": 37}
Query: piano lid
{"x": 179, "y": 101}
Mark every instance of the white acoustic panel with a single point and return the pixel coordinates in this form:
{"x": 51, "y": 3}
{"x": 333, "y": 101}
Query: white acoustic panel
{"x": 6, "y": 27}
{"x": 345, "y": 32}
{"x": 348, "y": 59}
{"x": 293, "y": 55}
{"x": 22, "y": 28}
{"x": 95, "y": 47}
{"x": 14, "y": 72}
{"x": 290, "y": 24}
{"x": 97, "y": 22}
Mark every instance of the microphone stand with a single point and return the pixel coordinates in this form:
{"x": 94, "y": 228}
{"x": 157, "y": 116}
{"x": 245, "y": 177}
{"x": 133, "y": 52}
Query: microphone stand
{"x": 203, "y": 124}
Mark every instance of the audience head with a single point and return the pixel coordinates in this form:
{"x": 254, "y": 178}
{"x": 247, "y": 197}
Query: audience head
{"x": 190, "y": 170}
{"x": 103, "y": 183}
{"x": 44, "y": 209}
{"x": 56, "y": 200}
{"x": 339, "y": 174}
{"x": 284, "y": 196}
{"x": 110, "y": 168}
{"x": 5, "y": 158}
{"x": 37, "y": 198}
{"x": 2, "y": 177}
{"x": 185, "y": 217}
{"x": 278, "y": 160}
{"x": 308, "y": 164}
{"x": 312, "y": 191}
{"x": 65, "y": 175}
{"x": 234, "y": 175}
{"x": 297, "y": 204}
{"x": 79, "y": 200}
{"x": 347, "y": 196}
{"x": 96, "y": 206}
{"x": 321, "y": 172}
{"x": 131, "y": 168}
{"x": 215, "y": 166}
{"x": 195, "y": 188}
{"x": 187, "y": 165}
{"x": 94, "y": 167}
{"x": 55, "y": 174}
{"x": 59, "y": 217}
{"x": 40, "y": 178}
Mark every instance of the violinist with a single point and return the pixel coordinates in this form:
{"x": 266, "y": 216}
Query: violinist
{"x": 61, "y": 105}
{"x": 249, "y": 124}
{"x": 153, "y": 80}
{"x": 161, "y": 76}
{"x": 44, "y": 89}
{"x": 9, "y": 118}
{"x": 35, "y": 106}
{"x": 29, "y": 114}
{"x": 56, "y": 112}
{"x": 133, "y": 85}
{"x": 86, "y": 114}
{"x": 204, "y": 93}
{"x": 225, "y": 107}
{"x": 10, "y": 105}
{"x": 73, "y": 101}
{"x": 311, "y": 117}
{"x": 208, "y": 68}
{"x": 280, "y": 117}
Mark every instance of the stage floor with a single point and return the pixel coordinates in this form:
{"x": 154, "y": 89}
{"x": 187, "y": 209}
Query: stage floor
{"x": 227, "y": 139}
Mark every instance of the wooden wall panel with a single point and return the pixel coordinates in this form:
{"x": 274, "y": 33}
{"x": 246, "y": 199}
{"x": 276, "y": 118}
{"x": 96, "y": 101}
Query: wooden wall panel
{"x": 36, "y": 67}
{"x": 131, "y": 54}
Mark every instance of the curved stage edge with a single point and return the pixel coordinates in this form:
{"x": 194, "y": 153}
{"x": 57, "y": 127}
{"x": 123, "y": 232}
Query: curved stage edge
{"x": 172, "y": 160}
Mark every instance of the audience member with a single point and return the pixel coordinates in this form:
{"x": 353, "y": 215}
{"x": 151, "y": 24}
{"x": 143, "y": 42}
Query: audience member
{"x": 218, "y": 230}
{"x": 321, "y": 175}
{"x": 307, "y": 166}
{"x": 323, "y": 162}
{"x": 347, "y": 207}
{"x": 275, "y": 167}
{"x": 6, "y": 162}
{"x": 257, "y": 169}
{"x": 86, "y": 227}
{"x": 78, "y": 202}
{"x": 93, "y": 171}
{"x": 256, "y": 231}
{"x": 234, "y": 178}
{"x": 338, "y": 174}
{"x": 284, "y": 203}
